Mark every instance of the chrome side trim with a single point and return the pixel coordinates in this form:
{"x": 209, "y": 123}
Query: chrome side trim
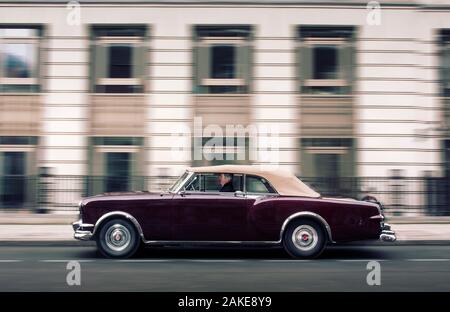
{"x": 308, "y": 214}
{"x": 122, "y": 214}
{"x": 178, "y": 242}
{"x": 378, "y": 216}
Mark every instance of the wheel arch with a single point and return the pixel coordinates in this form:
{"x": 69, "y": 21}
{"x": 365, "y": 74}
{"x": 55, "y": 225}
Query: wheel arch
{"x": 307, "y": 215}
{"x": 118, "y": 215}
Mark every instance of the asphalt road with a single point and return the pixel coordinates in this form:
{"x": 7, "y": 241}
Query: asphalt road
{"x": 340, "y": 268}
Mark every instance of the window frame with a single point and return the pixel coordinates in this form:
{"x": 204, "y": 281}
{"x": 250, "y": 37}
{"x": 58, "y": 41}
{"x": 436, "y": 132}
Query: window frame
{"x": 306, "y": 44}
{"x": 445, "y": 83}
{"x": 275, "y": 192}
{"x": 28, "y": 148}
{"x": 246, "y": 194}
{"x": 191, "y": 178}
{"x": 137, "y": 42}
{"x": 36, "y": 42}
{"x": 100, "y": 146}
{"x": 242, "y": 73}
{"x": 209, "y": 42}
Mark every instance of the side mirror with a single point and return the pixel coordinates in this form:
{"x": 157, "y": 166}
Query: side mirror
{"x": 182, "y": 193}
{"x": 239, "y": 194}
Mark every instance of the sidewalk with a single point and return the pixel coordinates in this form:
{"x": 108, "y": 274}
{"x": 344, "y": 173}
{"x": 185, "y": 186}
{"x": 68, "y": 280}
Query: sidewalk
{"x": 27, "y": 227}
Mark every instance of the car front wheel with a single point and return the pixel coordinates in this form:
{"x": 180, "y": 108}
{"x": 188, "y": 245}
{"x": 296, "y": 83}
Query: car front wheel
{"x": 304, "y": 239}
{"x": 118, "y": 238}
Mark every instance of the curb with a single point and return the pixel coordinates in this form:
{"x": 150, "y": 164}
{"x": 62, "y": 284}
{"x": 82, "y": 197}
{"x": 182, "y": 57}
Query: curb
{"x": 398, "y": 243}
{"x": 72, "y": 243}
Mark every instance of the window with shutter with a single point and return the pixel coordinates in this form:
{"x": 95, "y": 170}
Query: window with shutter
{"x": 328, "y": 164}
{"x": 119, "y": 59}
{"x": 222, "y": 59}
{"x": 325, "y": 59}
{"x": 115, "y": 164}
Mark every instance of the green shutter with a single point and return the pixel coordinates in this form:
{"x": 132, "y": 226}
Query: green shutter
{"x": 98, "y": 172}
{"x": 1, "y": 167}
{"x": 243, "y": 63}
{"x": 445, "y": 76}
{"x": 39, "y": 55}
{"x": 139, "y": 62}
{"x": 346, "y": 54}
{"x": 306, "y": 63}
{"x": 101, "y": 62}
{"x": 203, "y": 63}
{"x": 307, "y": 164}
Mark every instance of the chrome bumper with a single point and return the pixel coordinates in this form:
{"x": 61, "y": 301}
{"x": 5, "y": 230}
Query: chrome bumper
{"x": 387, "y": 235}
{"x": 83, "y": 231}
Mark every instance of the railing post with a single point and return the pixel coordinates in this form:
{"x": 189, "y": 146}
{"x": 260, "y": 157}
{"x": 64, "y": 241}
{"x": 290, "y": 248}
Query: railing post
{"x": 430, "y": 196}
{"x": 397, "y": 199}
{"x": 43, "y": 194}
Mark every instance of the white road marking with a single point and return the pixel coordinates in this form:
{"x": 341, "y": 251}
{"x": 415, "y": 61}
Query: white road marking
{"x": 225, "y": 260}
{"x": 427, "y": 260}
{"x": 285, "y": 261}
{"x": 178, "y": 260}
{"x": 68, "y": 260}
{"x": 360, "y": 260}
{"x": 215, "y": 260}
{"x": 145, "y": 260}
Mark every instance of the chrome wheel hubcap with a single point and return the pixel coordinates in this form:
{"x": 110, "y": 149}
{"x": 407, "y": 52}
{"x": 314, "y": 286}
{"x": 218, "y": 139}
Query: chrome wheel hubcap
{"x": 305, "y": 237}
{"x": 117, "y": 237}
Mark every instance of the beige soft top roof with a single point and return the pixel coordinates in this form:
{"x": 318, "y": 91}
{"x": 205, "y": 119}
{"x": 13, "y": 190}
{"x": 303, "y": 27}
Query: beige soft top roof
{"x": 285, "y": 183}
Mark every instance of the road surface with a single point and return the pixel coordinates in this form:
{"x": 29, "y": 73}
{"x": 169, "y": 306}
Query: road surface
{"x": 340, "y": 268}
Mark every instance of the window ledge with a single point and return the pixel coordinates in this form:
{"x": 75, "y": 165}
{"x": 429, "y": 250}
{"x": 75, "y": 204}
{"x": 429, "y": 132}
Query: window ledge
{"x": 222, "y": 94}
{"x": 119, "y": 81}
{"x": 306, "y": 95}
{"x": 15, "y": 93}
{"x": 325, "y": 83}
{"x": 117, "y": 94}
{"x": 19, "y": 81}
{"x": 223, "y": 82}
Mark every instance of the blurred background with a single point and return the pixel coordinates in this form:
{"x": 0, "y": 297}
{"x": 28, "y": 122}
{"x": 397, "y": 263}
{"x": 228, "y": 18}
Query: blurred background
{"x": 101, "y": 96}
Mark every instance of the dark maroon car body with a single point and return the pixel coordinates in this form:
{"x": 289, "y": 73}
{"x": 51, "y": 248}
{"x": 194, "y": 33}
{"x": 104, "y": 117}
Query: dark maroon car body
{"x": 229, "y": 218}
{"x": 224, "y": 217}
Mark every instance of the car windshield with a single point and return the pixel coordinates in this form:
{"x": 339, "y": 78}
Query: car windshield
{"x": 178, "y": 182}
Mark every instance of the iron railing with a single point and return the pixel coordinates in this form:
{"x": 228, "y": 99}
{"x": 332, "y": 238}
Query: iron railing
{"x": 399, "y": 195}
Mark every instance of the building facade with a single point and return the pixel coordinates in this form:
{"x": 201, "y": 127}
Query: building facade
{"x": 105, "y": 96}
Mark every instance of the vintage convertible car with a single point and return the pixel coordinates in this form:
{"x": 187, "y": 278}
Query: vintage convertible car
{"x": 229, "y": 205}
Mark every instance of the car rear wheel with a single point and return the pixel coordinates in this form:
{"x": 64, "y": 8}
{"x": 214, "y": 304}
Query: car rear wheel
{"x": 304, "y": 239}
{"x": 118, "y": 238}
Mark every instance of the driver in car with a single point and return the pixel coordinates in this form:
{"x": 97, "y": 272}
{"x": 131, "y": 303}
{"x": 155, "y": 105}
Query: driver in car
{"x": 226, "y": 181}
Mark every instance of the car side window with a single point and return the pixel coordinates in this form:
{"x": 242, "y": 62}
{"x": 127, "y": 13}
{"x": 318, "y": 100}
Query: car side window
{"x": 257, "y": 185}
{"x": 209, "y": 183}
{"x": 194, "y": 185}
